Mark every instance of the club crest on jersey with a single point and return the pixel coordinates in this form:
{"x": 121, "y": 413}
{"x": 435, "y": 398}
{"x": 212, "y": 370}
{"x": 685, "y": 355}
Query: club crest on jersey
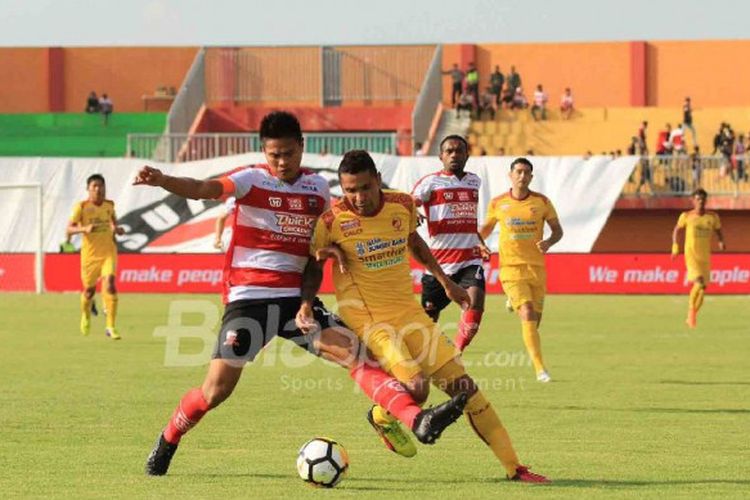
{"x": 448, "y": 195}
{"x": 397, "y": 223}
{"x": 274, "y": 201}
{"x": 312, "y": 202}
{"x": 296, "y": 204}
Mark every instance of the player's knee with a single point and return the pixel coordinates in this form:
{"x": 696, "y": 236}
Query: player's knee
{"x": 527, "y": 312}
{"x": 89, "y": 292}
{"x": 464, "y": 383}
{"x": 419, "y": 388}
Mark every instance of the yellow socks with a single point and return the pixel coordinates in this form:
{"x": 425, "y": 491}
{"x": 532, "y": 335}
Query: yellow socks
{"x": 485, "y": 422}
{"x": 86, "y": 305}
{"x": 696, "y": 296}
{"x": 381, "y": 415}
{"x": 110, "y": 304}
{"x": 533, "y": 344}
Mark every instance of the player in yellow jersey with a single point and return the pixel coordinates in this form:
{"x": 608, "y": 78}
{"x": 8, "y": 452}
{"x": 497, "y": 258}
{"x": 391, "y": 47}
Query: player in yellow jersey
{"x": 700, "y": 226}
{"x": 371, "y": 233}
{"x": 95, "y": 219}
{"x": 521, "y": 214}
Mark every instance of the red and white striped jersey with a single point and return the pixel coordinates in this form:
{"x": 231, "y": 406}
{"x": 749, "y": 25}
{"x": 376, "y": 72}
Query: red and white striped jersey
{"x": 450, "y": 205}
{"x": 271, "y": 235}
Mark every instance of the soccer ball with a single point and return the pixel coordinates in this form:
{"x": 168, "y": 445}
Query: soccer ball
{"x": 322, "y": 462}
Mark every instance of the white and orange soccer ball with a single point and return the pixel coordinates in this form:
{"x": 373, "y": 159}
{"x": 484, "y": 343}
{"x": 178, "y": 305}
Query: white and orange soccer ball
{"x": 322, "y": 462}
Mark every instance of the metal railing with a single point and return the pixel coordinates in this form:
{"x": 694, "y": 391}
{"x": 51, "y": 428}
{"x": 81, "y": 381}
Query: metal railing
{"x": 192, "y": 147}
{"x": 190, "y": 98}
{"x": 429, "y": 98}
{"x": 680, "y": 175}
{"x": 325, "y": 76}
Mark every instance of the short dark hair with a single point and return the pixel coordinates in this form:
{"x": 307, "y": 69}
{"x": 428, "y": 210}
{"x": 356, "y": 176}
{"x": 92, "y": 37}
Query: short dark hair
{"x": 357, "y": 161}
{"x": 522, "y": 161}
{"x": 280, "y": 125}
{"x": 700, "y": 192}
{"x": 94, "y": 177}
{"x": 454, "y": 137}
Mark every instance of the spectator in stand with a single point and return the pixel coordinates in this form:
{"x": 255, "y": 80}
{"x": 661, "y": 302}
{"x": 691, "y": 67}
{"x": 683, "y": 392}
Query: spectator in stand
{"x": 106, "y": 107}
{"x": 508, "y": 96}
{"x": 514, "y": 80}
{"x": 718, "y": 138}
{"x": 418, "y": 149}
{"x": 726, "y": 148}
{"x": 472, "y": 83}
{"x": 465, "y": 102}
{"x": 487, "y": 103}
{"x": 519, "y": 100}
{"x": 501, "y": 151}
{"x": 496, "y": 85}
{"x": 739, "y": 158}
{"x": 540, "y": 103}
{"x": 457, "y": 81}
{"x": 566, "y": 104}
{"x": 677, "y": 140}
{"x": 92, "y": 103}
{"x": 588, "y": 155}
{"x": 697, "y": 166}
{"x": 687, "y": 119}
{"x": 663, "y": 146}
{"x": 633, "y": 147}
{"x": 642, "y": 130}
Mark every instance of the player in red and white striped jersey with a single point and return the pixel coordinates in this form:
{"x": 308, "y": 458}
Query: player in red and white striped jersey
{"x": 277, "y": 207}
{"x": 450, "y": 201}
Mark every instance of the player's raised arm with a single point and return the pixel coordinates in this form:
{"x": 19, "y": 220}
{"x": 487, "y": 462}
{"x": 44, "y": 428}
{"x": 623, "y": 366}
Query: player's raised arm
{"x": 182, "y": 186}
{"x": 421, "y": 253}
{"x": 557, "y": 234}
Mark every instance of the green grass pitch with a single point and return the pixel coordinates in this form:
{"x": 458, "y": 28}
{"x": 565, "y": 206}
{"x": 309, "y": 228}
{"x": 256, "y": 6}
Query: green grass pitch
{"x": 639, "y": 406}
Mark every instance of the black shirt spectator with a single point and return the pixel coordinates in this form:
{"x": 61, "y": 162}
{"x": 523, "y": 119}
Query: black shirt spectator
{"x": 92, "y": 103}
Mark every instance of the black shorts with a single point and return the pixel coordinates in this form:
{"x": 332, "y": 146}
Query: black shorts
{"x": 433, "y": 292}
{"x": 248, "y": 325}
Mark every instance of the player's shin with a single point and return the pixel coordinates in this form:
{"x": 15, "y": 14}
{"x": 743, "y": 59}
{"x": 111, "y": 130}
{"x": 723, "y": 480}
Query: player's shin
{"x": 188, "y": 413}
{"x": 486, "y": 424}
{"x": 387, "y": 392}
{"x": 468, "y": 328}
{"x": 533, "y": 343}
{"x": 110, "y": 305}
{"x": 86, "y": 304}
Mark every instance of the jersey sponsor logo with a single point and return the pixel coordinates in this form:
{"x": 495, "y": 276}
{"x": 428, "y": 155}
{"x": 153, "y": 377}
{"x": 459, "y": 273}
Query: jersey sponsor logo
{"x": 301, "y": 225}
{"x": 463, "y": 196}
{"x": 505, "y": 207}
{"x": 274, "y": 201}
{"x": 296, "y": 203}
{"x": 351, "y": 227}
{"x": 466, "y": 210}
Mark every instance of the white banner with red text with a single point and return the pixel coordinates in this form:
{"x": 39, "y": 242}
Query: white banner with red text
{"x": 566, "y": 273}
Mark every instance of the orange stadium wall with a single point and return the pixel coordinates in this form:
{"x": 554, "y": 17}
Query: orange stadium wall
{"x": 25, "y": 82}
{"x": 649, "y": 230}
{"x": 59, "y": 79}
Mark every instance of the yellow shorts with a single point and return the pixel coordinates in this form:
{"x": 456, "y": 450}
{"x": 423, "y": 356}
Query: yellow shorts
{"x": 524, "y": 284}
{"x": 95, "y": 267}
{"x": 406, "y": 346}
{"x": 698, "y": 269}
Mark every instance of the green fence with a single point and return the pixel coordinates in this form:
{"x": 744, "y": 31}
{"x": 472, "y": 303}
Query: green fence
{"x": 73, "y": 134}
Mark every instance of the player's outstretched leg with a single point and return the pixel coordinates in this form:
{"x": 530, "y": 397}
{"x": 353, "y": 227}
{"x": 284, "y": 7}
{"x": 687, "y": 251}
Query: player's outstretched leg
{"x": 695, "y": 302}
{"x": 468, "y": 328}
{"x": 452, "y": 378}
{"x": 431, "y": 423}
{"x": 218, "y": 385}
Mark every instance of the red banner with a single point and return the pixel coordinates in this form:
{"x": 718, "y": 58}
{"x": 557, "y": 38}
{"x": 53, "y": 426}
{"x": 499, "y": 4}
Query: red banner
{"x": 566, "y": 273}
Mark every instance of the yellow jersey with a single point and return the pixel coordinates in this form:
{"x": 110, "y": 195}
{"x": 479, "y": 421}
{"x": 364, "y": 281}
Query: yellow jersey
{"x": 521, "y": 227}
{"x": 699, "y": 230}
{"x": 100, "y": 242}
{"x": 378, "y": 283}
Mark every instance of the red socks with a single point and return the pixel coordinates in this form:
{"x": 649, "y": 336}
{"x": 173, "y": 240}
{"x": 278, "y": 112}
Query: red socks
{"x": 191, "y": 409}
{"x": 467, "y": 328}
{"x": 387, "y": 392}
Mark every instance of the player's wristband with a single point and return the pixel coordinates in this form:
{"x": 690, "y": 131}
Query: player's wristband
{"x": 675, "y": 249}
